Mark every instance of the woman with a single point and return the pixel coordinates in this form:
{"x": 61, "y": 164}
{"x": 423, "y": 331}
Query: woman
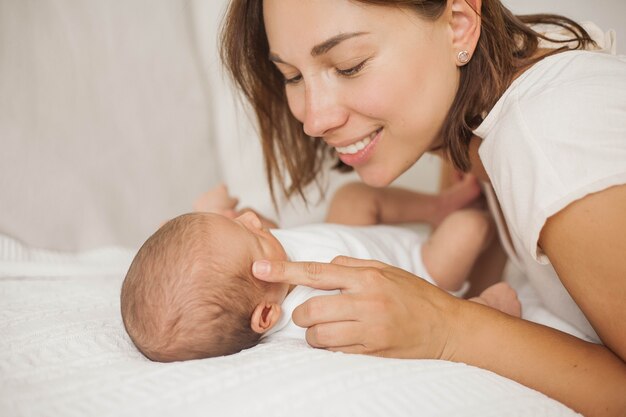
{"x": 378, "y": 84}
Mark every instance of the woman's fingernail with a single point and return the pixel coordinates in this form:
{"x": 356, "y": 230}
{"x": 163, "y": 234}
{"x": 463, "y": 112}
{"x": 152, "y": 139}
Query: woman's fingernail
{"x": 261, "y": 268}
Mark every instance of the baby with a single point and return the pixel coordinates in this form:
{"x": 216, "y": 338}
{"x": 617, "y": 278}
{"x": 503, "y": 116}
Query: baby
{"x": 189, "y": 293}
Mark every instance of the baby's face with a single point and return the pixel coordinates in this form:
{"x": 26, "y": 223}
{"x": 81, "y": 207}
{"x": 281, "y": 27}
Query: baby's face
{"x": 244, "y": 239}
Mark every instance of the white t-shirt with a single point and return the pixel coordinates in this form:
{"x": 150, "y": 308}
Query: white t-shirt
{"x": 556, "y": 135}
{"x": 395, "y": 246}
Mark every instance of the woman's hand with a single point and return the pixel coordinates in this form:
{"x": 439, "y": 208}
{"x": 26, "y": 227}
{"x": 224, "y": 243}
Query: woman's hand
{"x": 382, "y": 310}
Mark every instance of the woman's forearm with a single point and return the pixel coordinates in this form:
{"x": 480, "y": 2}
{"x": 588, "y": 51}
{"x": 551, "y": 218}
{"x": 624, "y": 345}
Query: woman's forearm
{"x": 404, "y": 317}
{"x": 586, "y": 377}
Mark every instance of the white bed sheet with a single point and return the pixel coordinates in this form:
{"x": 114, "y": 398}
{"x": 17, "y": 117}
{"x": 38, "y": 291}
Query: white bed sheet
{"x": 64, "y": 352}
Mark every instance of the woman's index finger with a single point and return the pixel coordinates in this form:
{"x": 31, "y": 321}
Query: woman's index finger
{"x": 320, "y": 275}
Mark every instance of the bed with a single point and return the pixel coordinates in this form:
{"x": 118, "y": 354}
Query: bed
{"x": 64, "y": 352}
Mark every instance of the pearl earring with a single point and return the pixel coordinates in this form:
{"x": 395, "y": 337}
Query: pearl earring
{"x": 463, "y": 57}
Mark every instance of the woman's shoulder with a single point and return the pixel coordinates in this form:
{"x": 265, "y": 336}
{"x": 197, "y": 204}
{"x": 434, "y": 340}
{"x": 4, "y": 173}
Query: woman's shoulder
{"x": 572, "y": 69}
{"x": 569, "y": 86}
{"x": 558, "y": 135}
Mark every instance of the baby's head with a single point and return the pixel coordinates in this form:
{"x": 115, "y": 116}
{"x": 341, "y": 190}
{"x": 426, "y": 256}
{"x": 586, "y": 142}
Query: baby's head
{"x": 190, "y": 294}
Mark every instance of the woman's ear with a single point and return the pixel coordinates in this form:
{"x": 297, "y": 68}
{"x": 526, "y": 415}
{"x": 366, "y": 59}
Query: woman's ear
{"x": 265, "y": 316}
{"x": 465, "y": 24}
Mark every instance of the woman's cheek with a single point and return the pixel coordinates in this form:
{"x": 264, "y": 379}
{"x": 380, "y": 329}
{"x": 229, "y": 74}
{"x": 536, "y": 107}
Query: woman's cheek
{"x": 370, "y": 97}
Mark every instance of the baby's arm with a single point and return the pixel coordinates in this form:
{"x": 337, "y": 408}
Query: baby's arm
{"x": 217, "y": 200}
{"x": 267, "y": 223}
{"x": 360, "y": 204}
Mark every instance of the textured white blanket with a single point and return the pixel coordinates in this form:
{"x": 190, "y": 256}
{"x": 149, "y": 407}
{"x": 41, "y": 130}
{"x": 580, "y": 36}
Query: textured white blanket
{"x": 64, "y": 352}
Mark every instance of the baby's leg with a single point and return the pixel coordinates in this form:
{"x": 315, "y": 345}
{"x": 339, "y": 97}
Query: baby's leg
{"x": 501, "y": 297}
{"x": 453, "y": 247}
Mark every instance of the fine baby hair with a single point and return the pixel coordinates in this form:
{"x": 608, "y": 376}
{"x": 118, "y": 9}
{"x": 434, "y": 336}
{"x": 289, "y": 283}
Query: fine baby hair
{"x": 182, "y": 299}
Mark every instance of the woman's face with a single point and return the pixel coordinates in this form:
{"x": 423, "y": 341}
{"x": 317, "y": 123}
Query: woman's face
{"x": 374, "y": 82}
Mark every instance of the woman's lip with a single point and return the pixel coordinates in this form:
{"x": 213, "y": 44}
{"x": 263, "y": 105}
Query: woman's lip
{"x": 363, "y": 155}
{"x": 355, "y": 141}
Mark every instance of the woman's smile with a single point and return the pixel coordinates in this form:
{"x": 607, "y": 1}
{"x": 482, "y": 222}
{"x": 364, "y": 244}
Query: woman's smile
{"x": 359, "y": 152}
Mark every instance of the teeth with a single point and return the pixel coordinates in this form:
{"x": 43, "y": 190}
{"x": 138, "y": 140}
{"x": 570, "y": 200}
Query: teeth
{"x": 355, "y": 147}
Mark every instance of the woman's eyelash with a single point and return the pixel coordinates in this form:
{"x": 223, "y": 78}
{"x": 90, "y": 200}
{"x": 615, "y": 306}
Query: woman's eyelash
{"x": 293, "y": 80}
{"x": 346, "y": 73}
{"x": 354, "y": 70}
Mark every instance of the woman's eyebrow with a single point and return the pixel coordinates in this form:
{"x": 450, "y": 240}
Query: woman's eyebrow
{"x": 323, "y": 47}
{"x": 327, "y": 45}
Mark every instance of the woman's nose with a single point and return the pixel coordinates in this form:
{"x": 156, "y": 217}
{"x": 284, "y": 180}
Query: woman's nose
{"x": 323, "y": 111}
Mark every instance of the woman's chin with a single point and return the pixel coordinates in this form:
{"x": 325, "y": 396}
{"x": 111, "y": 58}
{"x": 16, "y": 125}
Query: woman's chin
{"x": 375, "y": 178}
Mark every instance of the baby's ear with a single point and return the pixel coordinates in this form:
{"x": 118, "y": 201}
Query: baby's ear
{"x": 265, "y": 316}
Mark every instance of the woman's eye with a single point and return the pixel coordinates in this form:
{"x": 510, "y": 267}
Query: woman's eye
{"x": 343, "y": 72}
{"x": 293, "y": 80}
{"x": 352, "y": 71}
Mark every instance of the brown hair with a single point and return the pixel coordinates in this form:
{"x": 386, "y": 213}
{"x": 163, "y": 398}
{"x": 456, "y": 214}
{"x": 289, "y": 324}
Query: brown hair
{"x": 178, "y": 302}
{"x": 507, "y": 45}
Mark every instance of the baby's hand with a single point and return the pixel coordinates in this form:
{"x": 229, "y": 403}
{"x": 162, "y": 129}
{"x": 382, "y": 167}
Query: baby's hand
{"x": 217, "y": 201}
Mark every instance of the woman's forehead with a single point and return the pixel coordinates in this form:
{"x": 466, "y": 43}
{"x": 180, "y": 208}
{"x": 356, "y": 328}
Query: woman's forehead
{"x": 313, "y": 20}
{"x": 292, "y": 25}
